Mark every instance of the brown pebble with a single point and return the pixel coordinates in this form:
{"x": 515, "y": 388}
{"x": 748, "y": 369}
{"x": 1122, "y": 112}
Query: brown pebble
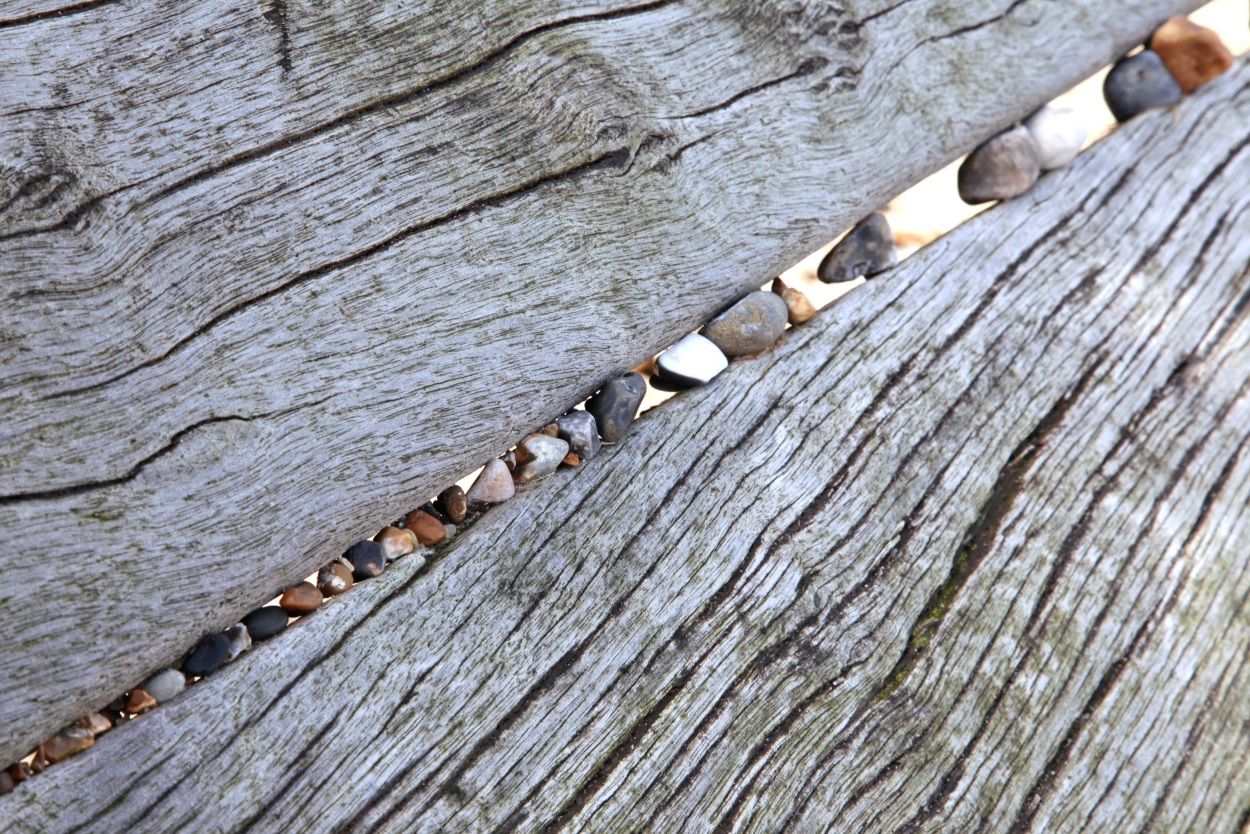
{"x": 453, "y": 503}
{"x": 68, "y": 742}
{"x": 1193, "y": 54}
{"x": 428, "y": 529}
{"x": 798, "y": 307}
{"x": 571, "y": 459}
{"x": 334, "y": 579}
{"x": 138, "y": 701}
{"x": 551, "y": 430}
{"x": 509, "y": 460}
{"x": 39, "y": 763}
{"x": 303, "y": 598}
{"x": 118, "y": 704}
{"x": 18, "y": 771}
{"x": 96, "y": 722}
{"x": 396, "y": 542}
{"x": 6, "y": 783}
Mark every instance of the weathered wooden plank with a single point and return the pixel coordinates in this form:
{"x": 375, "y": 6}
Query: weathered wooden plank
{"x": 968, "y": 552}
{"x": 260, "y": 299}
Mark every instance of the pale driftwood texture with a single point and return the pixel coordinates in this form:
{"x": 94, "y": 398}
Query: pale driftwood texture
{"x": 276, "y": 273}
{"x": 968, "y": 552}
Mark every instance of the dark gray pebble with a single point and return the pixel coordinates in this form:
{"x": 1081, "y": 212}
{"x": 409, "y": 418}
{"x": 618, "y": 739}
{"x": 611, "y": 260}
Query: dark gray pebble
{"x": 367, "y": 559}
{"x": 264, "y": 623}
{"x": 207, "y": 656}
{"x": 579, "y": 430}
{"x": 1139, "y": 82}
{"x": 1002, "y": 167}
{"x": 866, "y": 250}
{"x": 453, "y": 504}
{"x": 616, "y": 405}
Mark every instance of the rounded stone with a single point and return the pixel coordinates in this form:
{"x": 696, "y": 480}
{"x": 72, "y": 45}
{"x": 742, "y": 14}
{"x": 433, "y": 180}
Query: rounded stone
{"x": 752, "y": 325}
{"x": 450, "y": 530}
{"x": 165, "y": 685}
{"x": 66, "y": 743}
{"x": 18, "y": 771}
{"x": 428, "y": 529}
{"x": 240, "y": 639}
{"x": 538, "y": 455}
{"x": 581, "y": 432}
{"x": 453, "y": 503}
{"x": 616, "y": 405}
{"x": 1003, "y": 167}
{"x": 572, "y": 459}
{"x": 1059, "y": 133}
{"x": 799, "y": 307}
{"x": 96, "y": 722}
{"x": 396, "y": 542}
{"x": 300, "y": 599}
{"x": 1138, "y": 83}
{"x": 865, "y": 250}
{"x": 493, "y": 486}
{"x": 334, "y": 579}
{"x": 207, "y": 656}
{"x": 693, "y": 361}
{"x": 1192, "y": 54}
{"x": 264, "y": 623}
{"x": 6, "y": 783}
{"x": 139, "y": 700}
{"x": 366, "y": 558}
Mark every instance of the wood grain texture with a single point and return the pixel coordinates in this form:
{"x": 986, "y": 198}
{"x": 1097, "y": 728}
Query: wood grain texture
{"x": 275, "y": 273}
{"x": 968, "y": 552}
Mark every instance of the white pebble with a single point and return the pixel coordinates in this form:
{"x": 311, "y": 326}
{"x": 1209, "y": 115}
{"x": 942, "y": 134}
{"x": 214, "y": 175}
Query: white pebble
{"x": 1059, "y": 134}
{"x": 692, "y": 361}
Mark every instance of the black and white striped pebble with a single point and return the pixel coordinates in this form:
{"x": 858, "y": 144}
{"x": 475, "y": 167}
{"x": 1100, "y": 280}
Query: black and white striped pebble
{"x": 579, "y": 430}
{"x": 616, "y": 405}
{"x": 752, "y": 325}
{"x": 264, "y": 623}
{"x": 691, "y": 362}
{"x": 207, "y": 656}
{"x": 1003, "y": 167}
{"x": 867, "y": 249}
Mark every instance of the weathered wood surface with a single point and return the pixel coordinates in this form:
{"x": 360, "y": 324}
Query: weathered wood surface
{"x": 276, "y": 273}
{"x": 968, "y": 552}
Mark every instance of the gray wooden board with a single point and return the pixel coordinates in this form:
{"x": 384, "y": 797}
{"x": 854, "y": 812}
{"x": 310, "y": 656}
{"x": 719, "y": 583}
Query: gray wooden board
{"x": 276, "y": 273}
{"x": 967, "y": 552}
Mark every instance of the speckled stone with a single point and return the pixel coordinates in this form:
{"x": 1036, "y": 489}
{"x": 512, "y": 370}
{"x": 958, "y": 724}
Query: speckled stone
{"x": 396, "y": 542}
{"x": 752, "y": 325}
{"x": 264, "y": 623}
{"x": 538, "y": 455}
{"x": 207, "y": 656}
{"x": 616, "y": 405}
{"x": 1193, "y": 54}
{"x": 693, "y": 361}
{"x": 240, "y": 639}
{"x": 428, "y": 529}
{"x": 579, "y": 430}
{"x": 867, "y": 250}
{"x": 366, "y": 558}
{"x": 453, "y": 503}
{"x": 166, "y": 684}
{"x": 494, "y": 485}
{"x": 799, "y": 307}
{"x": 334, "y": 579}
{"x": 1003, "y": 167}
{"x": 66, "y": 743}
{"x": 139, "y": 700}
{"x": 1138, "y": 83}
{"x": 1059, "y": 133}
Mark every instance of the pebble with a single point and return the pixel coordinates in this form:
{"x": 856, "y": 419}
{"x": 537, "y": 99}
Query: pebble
{"x": 334, "y": 579}
{"x": 866, "y": 250}
{"x": 66, "y": 743}
{"x": 96, "y": 722}
{"x": 752, "y": 325}
{"x": 300, "y": 599}
{"x": 138, "y": 700}
{"x": 579, "y": 430}
{"x": 1003, "y": 167}
{"x": 263, "y": 623}
{"x": 692, "y": 361}
{"x": 572, "y": 459}
{"x": 206, "y": 657}
{"x": 616, "y": 405}
{"x": 798, "y": 307}
{"x": 1193, "y": 54}
{"x": 428, "y": 529}
{"x": 6, "y": 783}
{"x": 1059, "y": 133}
{"x": 1139, "y": 82}
{"x": 39, "y": 762}
{"x": 509, "y": 460}
{"x": 18, "y": 771}
{"x": 493, "y": 485}
{"x": 551, "y": 430}
{"x": 396, "y": 542}
{"x": 538, "y": 455}
{"x": 165, "y": 684}
{"x": 367, "y": 559}
{"x": 453, "y": 503}
{"x": 240, "y": 639}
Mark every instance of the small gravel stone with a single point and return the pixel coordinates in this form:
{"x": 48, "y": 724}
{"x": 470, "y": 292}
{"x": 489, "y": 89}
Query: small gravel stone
{"x": 579, "y": 430}
{"x": 572, "y": 459}
{"x": 18, "y": 771}
{"x": 551, "y": 430}
{"x": 427, "y": 528}
{"x": 263, "y": 623}
{"x": 450, "y": 530}
{"x": 300, "y": 599}
{"x": 367, "y": 559}
{"x": 206, "y": 657}
{"x": 453, "y": 503}
{"x": 96, "y": 723}
{"x": 1193, "y": 54}
{"x": 493, "y": 486}
{"x": 692, "y": 361}
{"x": 138, "y": 700}
{"x": 616, "y": 405}
{"x": 538, "y": 455}
{"x": 334, "y": 579}
{"x": 1137, "y": 83}
{"x": 6, "y": 783}
{"x": 396, "y": 542}
{"x": 1059, "y": 133}
{"x": 866, "y": 250}
{"x": 798, "y": 307}
{"x": 166, "y": 684}
{"x": 39, "y": 762}
{"x": 752, "y": 325}
{"x": 509, "y": 460}
{"x": 240, "y": 639}
{"x": 1003, "y": 167}
{"x": 66, "y": 743}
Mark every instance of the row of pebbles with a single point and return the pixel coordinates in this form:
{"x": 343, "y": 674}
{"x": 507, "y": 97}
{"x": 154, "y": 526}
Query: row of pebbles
{"x": 1179, "y": 58}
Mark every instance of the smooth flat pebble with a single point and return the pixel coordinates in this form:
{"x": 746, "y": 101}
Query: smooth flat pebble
{"x": 493, "y": 486}
{"x": 1003, "y": 167}
{"x": 616, "y": 405}
{"x": 366, "y": 558}
{"x": 207, "y": 656}
{"x": 581, "y": 432}
{"x": 300, "y": 599}
{"x": 538, "y": 455}
{"x": 752, "y": 325}
{"x": 1138, "y": 83}
{"x": 165, "y": 685}
{"x": 264, "y": 623}
{"x": 693, "y": 361}
{"x": 1192, "y": 54}
{"x": 425, "y": 526}
{"x": 66, "y": 743}
{"x": 139, "y": 700}
{"x": 396, "y": 542}
{"x": 1059, "y": 133}
{"x": 867, "y": 249}
{"x": 334, "y": 579}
